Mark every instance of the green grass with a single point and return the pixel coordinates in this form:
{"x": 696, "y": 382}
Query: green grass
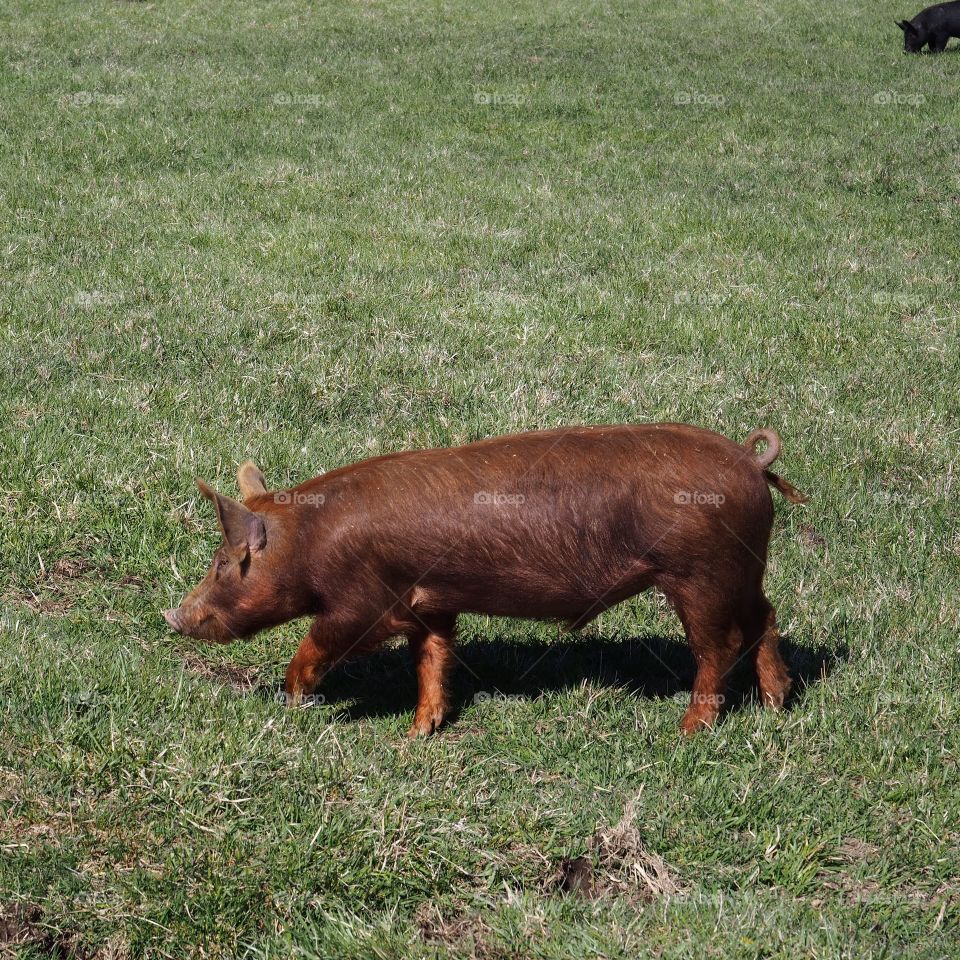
{"x": 311, "y": 232}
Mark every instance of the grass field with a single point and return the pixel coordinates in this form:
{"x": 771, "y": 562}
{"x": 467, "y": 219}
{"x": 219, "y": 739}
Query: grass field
{"x": 311, "y": 232}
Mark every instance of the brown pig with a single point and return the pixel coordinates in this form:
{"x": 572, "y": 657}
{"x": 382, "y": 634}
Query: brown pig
{"x": 553, "y": 525}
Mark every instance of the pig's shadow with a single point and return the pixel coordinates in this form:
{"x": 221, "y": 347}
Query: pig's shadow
{"x": 384, "y": 684}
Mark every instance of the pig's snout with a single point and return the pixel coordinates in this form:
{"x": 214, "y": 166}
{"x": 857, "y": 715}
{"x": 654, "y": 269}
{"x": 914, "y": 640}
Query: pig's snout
{"x": 200, "y": 622}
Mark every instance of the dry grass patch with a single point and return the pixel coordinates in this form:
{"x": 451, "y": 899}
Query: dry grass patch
{"x": 241, "y": 679}
{"x": 618, "y": 864}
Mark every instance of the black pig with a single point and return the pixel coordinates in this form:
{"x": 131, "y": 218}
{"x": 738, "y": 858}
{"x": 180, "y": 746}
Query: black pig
{"x": 934, "y": 26}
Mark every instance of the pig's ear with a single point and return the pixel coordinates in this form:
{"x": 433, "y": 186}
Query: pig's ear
{"x": 906, "y": 26}
{"x": 242, "y": 528}
{"x": 251, "y": 481}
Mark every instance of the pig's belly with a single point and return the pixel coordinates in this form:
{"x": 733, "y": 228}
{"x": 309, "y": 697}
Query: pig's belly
{"x": 543, "y": 594}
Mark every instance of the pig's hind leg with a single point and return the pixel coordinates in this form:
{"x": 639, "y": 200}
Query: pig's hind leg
{"x": 431, "y": 646}
{"x": 716, "y": 640}
{"x": 759, "y": 624}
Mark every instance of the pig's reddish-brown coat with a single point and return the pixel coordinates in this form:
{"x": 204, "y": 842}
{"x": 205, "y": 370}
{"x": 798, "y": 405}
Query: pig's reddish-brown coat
{"x": 559, "y": 524}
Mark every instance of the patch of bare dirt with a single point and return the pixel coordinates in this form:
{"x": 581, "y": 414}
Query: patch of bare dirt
{"x": 56, "y": 589}
{"x": 576, "y": 876}
{"x": 40, "y": 603}
{"x": 458, "y": 732}
{"x": 21, "y": 925}
{"x": 853, "y": 850}
{"x": 465, "y": 932}
{"x": 811, "y": 537}
{"x": 242, "y": 679}
{"x": 131, "y": 582}
{"x": 617, "y": 864}
{"x": 857, "y": 888}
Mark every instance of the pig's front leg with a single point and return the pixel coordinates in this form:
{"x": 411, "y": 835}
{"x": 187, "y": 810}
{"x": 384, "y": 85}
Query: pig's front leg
{"x": 315, "y": 657}
{"x": 431, "y": 646}
{"x": 329, "y": 642}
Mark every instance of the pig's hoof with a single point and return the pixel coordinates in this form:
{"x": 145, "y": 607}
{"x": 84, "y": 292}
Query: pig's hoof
{"x": 774, "y": 699}
{"x": 775, "y": 695}
{"x": 425, "y": 726}
{"x": 696, "y": 722}
{"x": 297, "y": 698}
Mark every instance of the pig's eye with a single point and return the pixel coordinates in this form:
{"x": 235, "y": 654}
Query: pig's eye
{"x": 220, "y": 563}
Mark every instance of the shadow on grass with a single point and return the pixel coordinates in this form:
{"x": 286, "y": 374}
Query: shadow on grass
{"x": 655, "y": 667}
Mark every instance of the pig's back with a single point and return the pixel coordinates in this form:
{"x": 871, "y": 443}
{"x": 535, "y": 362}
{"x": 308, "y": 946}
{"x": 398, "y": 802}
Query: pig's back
{"x": 538, "y": 523}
